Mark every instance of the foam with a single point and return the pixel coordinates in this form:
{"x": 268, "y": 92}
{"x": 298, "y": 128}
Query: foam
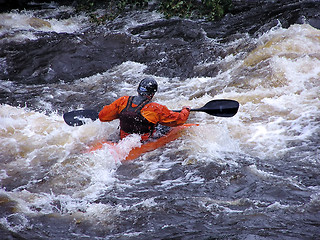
{"x": 24, "y": 25}
{"x": 277, "y": 86}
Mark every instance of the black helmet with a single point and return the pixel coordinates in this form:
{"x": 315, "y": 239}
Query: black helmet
{"x": 147, "y": 87}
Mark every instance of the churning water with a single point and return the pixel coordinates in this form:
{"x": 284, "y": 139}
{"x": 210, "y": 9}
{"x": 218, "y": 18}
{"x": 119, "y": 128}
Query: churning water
{"x": 252, "y": 176}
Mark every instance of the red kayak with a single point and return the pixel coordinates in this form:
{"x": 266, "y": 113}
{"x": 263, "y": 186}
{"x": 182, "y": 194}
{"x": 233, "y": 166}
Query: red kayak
{"x": 173, "y": 134}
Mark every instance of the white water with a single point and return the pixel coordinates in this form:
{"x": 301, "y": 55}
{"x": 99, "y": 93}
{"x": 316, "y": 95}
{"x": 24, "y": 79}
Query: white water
{"x": 277, "y": 85}
{"x": 25, "y": 26}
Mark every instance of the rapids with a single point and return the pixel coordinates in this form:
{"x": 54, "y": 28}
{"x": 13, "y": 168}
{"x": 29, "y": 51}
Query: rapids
{"x": 252, "y": 176}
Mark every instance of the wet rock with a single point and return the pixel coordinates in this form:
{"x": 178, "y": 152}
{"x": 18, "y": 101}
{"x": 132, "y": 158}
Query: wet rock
{"x": 169, "y": 48}
{"x": 63, "y": 57}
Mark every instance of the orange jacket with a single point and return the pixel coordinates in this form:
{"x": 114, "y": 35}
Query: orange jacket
{"x": 153, "y": 112}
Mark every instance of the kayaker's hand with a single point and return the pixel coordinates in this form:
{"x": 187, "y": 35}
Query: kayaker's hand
{"x": 186, "y": 107}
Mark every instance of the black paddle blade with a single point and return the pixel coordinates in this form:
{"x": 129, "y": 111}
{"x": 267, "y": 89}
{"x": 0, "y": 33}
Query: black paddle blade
{"x": 220, "y": 108}
{"x": 78, "y": 117}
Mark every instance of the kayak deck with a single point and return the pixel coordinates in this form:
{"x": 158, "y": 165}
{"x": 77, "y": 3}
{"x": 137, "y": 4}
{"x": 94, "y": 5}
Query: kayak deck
{"x": 173, "y": 134}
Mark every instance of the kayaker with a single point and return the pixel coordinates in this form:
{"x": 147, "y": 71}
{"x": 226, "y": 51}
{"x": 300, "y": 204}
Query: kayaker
{"x": 137, "y": 114}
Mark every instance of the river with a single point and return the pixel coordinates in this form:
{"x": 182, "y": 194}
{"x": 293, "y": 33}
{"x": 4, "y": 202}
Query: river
{"x": 252, "y": 176}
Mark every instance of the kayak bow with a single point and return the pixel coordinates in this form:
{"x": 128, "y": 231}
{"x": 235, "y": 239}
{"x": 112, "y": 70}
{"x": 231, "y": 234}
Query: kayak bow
{"x": 173, "y": 134}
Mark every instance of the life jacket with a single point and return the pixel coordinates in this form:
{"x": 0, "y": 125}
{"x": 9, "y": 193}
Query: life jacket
{"x": 131, "y": 120}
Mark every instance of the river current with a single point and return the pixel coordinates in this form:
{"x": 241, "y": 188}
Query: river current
{"x": 252, "y": 176}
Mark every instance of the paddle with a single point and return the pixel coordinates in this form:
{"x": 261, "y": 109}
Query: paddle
{"x": 79, "y": 117}
{"x": 218, "y": 108}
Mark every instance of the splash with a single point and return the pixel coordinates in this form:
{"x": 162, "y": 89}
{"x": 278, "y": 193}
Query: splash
{"x": 23, "y": 26}
{"x": 278, "y": 89}
{"x": 57, "y": 176}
